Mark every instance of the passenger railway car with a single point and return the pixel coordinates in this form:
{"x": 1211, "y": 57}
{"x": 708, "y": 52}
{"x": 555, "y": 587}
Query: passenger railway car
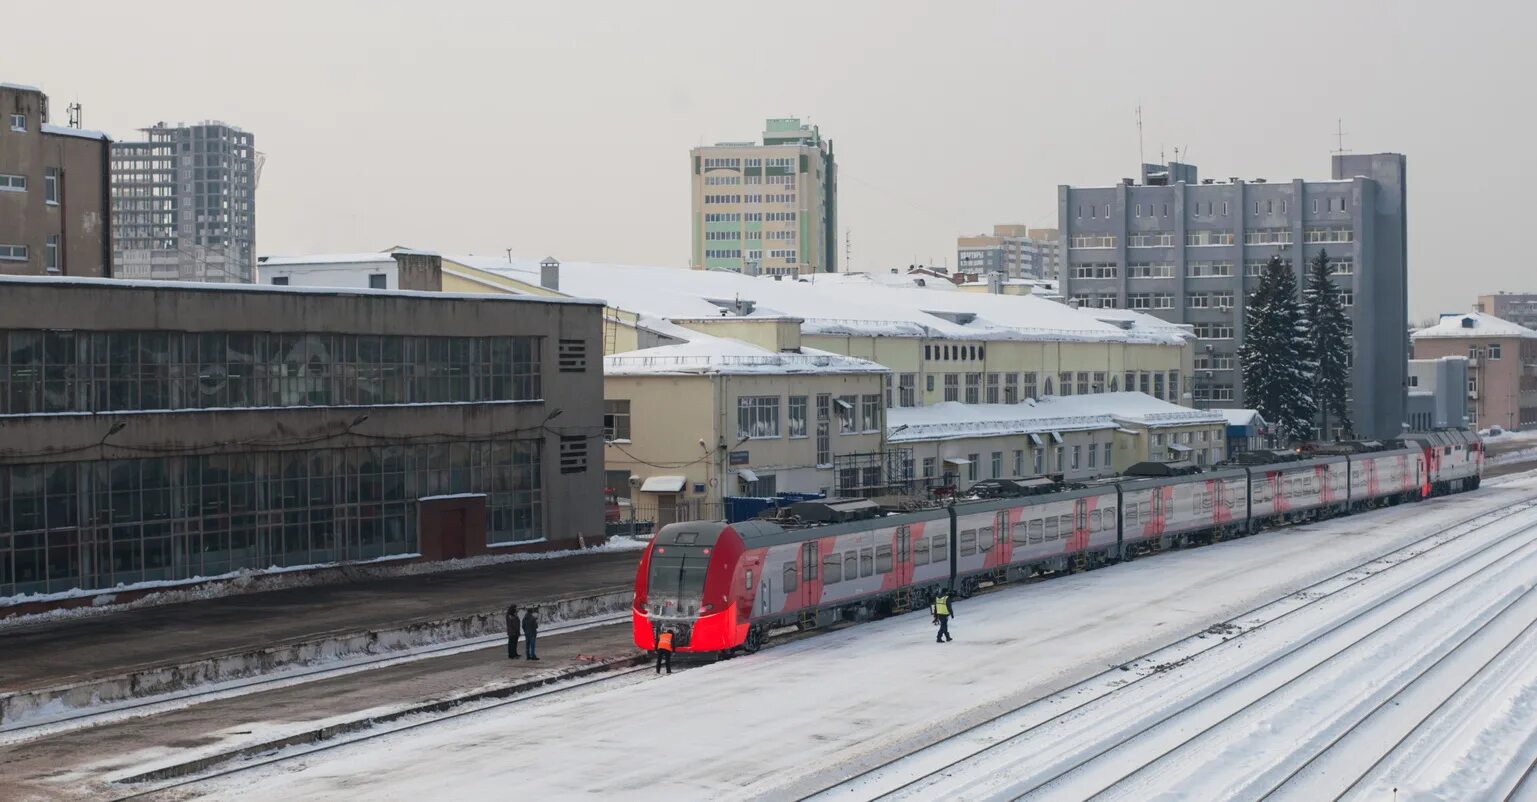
{"x": 721, "y": 587}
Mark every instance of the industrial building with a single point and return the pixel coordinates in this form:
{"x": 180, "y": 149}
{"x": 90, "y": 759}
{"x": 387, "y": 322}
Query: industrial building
{"x": 164, "y": 430}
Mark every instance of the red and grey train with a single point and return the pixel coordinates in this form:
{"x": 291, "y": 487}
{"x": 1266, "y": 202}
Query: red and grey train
{"x": 722, "y": 586}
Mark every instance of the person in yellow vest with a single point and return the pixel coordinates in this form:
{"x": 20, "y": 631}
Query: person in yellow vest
{"x": 664, "y": 650}
{"x": 942, "y": 612}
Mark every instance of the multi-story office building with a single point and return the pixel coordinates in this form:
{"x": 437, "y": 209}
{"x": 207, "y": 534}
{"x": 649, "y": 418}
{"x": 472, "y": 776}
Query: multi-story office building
{"x": 1008, "y": 250}
{"x": 1049, "y": 242}
{"x": 768, "y": 209}
{"x": 53, "y": 191}
{"x": 162, "y": 431}
{"x": 1192, "y": 253}
{"x": 184, "y": 204}
{"x": 1501, "y": 365}
{"x": 1517, "y": 307}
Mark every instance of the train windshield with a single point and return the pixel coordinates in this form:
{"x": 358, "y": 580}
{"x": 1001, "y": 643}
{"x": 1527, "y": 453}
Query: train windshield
{"x": 677, "y": 573}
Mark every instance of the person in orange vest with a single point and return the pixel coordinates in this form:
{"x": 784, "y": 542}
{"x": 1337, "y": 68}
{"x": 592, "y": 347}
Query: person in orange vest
{"x": 664, "y": 649}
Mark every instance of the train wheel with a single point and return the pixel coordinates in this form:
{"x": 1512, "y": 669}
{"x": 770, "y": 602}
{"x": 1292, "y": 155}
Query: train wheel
{"x": 754, "y": 640}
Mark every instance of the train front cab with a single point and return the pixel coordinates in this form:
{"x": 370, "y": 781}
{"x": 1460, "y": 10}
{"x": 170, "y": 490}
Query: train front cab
{"x": 684, "y": 583}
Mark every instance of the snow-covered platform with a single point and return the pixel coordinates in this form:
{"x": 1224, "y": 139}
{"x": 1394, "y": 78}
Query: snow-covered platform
{"x": 793, "y": 719}
{"x": 77, "y": 648}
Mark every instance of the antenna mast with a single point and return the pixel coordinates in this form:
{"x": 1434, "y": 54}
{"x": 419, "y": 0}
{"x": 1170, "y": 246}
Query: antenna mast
{"x": 848, "y": 250}
{"x": 1339, "y": 135}
{"x": 1141, "y": 159}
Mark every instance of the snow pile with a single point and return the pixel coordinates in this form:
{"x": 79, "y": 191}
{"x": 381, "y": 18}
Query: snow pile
{"x": 951, "y": 419}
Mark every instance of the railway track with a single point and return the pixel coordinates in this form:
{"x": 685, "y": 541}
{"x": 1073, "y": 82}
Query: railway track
{"x": 924, "y": 771}
{"x": 239, "y": 767}
{"x": 158, "y": 704}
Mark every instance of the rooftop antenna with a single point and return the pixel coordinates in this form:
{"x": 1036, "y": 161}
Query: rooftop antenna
{"x": 75, "y": 114}
{"x": 848, "y": 250}
{"x": 1141, "y": 159}
{"x": 509, "y": 256}
{"x": 1339, "y": 136}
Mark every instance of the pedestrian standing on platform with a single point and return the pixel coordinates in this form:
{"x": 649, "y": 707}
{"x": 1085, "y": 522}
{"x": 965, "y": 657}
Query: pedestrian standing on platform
{"x": 664, "y": 650}
{"x": 531, "y": 631}
{"x": 512, "y": 632}
{"x": 942, "y": 612}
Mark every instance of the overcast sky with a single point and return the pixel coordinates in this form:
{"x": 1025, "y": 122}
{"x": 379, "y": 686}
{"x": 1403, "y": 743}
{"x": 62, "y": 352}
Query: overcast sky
{"x": 563, "y": 128}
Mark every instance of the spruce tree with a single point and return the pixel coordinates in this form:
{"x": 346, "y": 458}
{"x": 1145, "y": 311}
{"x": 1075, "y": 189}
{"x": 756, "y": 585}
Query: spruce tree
{"x": 1329, "y": 343}
{"x": 1275, "y": 356}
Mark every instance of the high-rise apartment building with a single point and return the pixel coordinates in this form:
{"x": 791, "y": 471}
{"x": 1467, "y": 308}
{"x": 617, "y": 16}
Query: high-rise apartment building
{"x": 1049, "y": 242}
{"x": 184, "y": 204}
{"x": 53, "y": 191}
{"x": 1517, "y": 307}
{"x": 1193, "y": 252}
{"x": 1008, "y": 250}
{"x": 767, "y": 208}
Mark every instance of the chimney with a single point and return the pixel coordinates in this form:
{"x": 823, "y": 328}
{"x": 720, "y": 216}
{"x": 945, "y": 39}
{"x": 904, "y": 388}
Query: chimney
{"x": 419, "y": 270}
{"x": 549, "y": 273}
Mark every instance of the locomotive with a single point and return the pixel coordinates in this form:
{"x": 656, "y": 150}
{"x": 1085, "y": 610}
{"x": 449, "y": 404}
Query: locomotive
{"x": 721, "y": 587}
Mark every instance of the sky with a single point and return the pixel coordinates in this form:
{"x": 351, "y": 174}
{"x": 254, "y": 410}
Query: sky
{"x": 563, "y": 128}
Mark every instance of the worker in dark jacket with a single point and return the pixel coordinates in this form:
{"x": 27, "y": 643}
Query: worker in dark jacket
{"x": 531, "y": 630}
{"x": 512, "y": 632}
{"x": 942, "y": 612}
{"x": 664, "y": 649}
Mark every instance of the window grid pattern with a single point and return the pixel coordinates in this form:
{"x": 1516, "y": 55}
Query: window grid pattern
{"x": 67, "y": 371}
{"x": 97, "y": 524}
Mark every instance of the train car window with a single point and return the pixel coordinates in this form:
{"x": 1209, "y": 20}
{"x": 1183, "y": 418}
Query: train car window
{"x": 1146, "y": 509}
{"x": 866, "y": 562}
{"x": 1051, "y": 528}
{"x": 1131, "y": 514}
{"x": 882, "y": 559}
{"x": 1067, "y": 525}
{"x": 1096, "y": 520}
{"x": 1109, "y": 517}
{"x": 790, "y": 582}
{"x": 968, "y": 543}
{"x": 1021, "y": 533}
{"x": 921, "y": 551}
{"x": 686, "y": 538}
{"x": 1037, "y": 530}
{"x": 749, "y": 579}
{"x": 1448, "y": 450}
{"x": 851, "y": 565}
{"x": 832, "y": 569}
{"x": 985, "y": 540}
{"x": 940, "y": 548}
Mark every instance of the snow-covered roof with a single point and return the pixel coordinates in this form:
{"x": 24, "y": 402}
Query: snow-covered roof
{"x": 201, "y": 286}
{"x": 64, "y": 130}
{"x": 706, "y": 355}
{"x": 952, "y": 420}
{"x": 22, "y": 87}
{"x": 380, "y": 257}
{"x": 826, "y": 305}
{"x": 1241, "y": 417}
{"x": 1473, "y": 324}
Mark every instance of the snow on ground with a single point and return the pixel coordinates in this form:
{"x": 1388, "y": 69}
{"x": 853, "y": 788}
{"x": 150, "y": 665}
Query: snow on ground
{"x": 814, "y": 711}
{"x": 275, "y": 578}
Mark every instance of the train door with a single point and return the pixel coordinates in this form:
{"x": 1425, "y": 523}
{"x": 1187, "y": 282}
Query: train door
{"x": 810, "y": 591}
{"x": 902, "y": 563}
{"x": 1080, "y": 524}
{"x": 1005, "y": 537}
